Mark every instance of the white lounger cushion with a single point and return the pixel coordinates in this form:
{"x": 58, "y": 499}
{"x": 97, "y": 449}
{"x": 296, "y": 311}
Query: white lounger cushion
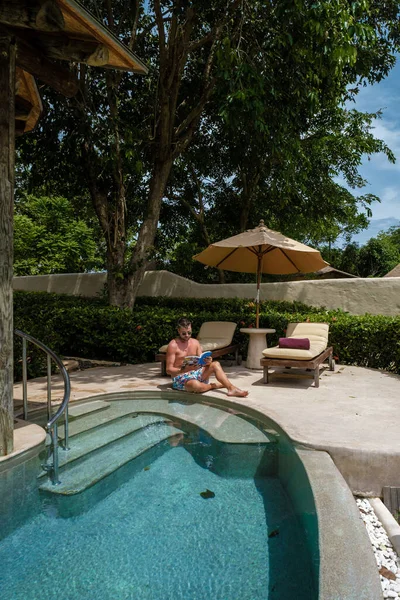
{"x": 213, "y": 335}
{"x": 317, "y": 333}
{"x": 214, "y": 344}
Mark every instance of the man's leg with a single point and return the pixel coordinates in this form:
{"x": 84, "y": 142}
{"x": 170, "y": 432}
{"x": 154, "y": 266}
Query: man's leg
{"x": 215, "y": 369}
{"x": 199, "y": 387}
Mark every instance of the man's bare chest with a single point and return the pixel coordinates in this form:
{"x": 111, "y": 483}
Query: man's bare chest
{"x": 186, "y": 349}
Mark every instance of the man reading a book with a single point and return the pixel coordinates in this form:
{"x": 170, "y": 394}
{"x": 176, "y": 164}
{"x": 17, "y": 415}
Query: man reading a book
{"x": 182, "y": 364}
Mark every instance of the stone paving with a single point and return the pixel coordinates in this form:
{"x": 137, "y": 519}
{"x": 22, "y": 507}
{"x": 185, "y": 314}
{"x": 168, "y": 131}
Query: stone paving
{"x": 353, "y": 415}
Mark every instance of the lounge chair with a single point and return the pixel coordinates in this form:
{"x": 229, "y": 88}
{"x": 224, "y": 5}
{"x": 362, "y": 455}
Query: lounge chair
{"x": 216, "y": 336}
{"x": 311, "y": 359}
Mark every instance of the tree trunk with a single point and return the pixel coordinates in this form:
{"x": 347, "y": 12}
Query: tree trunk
{"x": 170, "y": 139}
{"x": 7, "y": 155}
{"x": 221, "y": 272}
{"x": 204, "y": 232}
{"x": 199, "y": 216}
{"x": 116, "y": 249}
{"x": 148, "y": 230}
{"x": 116, "y": 282}
{"x": 249, "y": 188}
{"x": 112, "y": 220}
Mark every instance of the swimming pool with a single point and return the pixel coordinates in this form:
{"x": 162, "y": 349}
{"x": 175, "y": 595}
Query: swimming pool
{"x": 200, "y": 506}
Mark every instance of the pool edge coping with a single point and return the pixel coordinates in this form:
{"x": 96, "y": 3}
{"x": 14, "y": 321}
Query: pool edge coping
{"x": 335, "y": 572}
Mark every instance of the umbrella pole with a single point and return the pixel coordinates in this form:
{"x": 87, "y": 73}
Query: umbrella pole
{"x": 258, "y": 291}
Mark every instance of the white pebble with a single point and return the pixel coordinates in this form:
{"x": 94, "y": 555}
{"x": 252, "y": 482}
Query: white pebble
{"x": 385, "y": 554}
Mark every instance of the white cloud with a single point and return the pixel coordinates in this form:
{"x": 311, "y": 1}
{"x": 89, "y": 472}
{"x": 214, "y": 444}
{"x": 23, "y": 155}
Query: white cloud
{"x": 389, "y": 194}
{"x": 389, "y": 132}
{"x": 389, "y": 205}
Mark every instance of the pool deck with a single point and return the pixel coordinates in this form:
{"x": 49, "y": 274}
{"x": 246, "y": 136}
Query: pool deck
{"x": 354, "y": 415}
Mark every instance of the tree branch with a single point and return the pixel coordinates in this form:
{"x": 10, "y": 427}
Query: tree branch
{"x": 184, "y": 132}
{"x": 99, "y": 199}
{"x": 199, "y": 194}
{"x": 132, "y": 40}
{"x": 186, "y": 129}
{"x": 161, "y": 32}
{"x": 120, "y": 208}
{"x": 202, "y": 42}
{"x": 178, "y": 53}
{"x": 110, "y": 17}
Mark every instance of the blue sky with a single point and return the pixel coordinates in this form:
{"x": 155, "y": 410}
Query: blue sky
{"x": 383, "y": 177}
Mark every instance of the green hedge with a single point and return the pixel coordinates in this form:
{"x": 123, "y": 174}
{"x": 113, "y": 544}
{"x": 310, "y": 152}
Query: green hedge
{"x": 90, "y": 328}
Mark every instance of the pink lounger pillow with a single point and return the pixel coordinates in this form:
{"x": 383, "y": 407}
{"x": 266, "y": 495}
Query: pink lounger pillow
{"x": 297, "y": 343}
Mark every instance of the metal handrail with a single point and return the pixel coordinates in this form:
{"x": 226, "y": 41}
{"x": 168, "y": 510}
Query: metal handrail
{"x": 52, "y": 421}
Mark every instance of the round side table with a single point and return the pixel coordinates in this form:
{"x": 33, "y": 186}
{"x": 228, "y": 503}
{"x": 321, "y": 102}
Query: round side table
{"x": 257, "y": 343}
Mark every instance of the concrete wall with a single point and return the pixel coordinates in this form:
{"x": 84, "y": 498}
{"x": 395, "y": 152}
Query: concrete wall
{"x": 356, "y": 296}
{"x": 75, "y": 284}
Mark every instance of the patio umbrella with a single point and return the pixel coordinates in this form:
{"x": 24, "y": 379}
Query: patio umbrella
{"x": 261, "y": 250}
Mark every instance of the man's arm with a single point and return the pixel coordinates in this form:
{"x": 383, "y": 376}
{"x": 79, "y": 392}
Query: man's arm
{"x": 170, "y": 360}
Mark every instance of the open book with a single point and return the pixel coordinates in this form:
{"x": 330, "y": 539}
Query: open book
{"x": 196, "y": 361}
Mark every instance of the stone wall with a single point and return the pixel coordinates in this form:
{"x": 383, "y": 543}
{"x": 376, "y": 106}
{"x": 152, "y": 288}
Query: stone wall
{"x": 356, "y": 296}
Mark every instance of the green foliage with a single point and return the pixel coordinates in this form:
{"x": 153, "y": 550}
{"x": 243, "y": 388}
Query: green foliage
{"x": 233, "y": 178}
{"x": 376, "y": 258}
{"x": 89, "y": 328}
{"x": 379, "y": 255}
{"x": 49, "y": 238}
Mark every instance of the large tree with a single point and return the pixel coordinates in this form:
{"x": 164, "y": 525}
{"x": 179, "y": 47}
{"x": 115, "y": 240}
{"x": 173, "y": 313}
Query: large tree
{"x": 265, "y": 67}
{"x": 227, "y": 182}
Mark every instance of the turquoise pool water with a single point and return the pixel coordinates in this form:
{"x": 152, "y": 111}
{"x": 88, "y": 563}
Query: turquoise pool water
{"x": 147, "y": 533}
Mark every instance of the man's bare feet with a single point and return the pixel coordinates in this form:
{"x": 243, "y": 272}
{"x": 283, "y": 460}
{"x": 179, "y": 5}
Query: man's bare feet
{"x": 216, "y": 386}
{"x": 236, "y": 392}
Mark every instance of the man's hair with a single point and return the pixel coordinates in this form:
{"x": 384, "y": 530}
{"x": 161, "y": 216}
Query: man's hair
{"x": 183, "y": 322}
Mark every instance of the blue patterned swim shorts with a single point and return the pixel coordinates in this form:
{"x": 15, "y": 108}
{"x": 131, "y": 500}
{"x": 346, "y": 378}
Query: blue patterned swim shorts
{"x": 178, "y": 382}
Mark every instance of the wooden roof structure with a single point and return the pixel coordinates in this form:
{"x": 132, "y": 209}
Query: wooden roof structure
{"x": 36, "y": 37}
{"x": 325, "y": 273}
{"x": 332, "y": 273}
{"x": 47, "y": 33}
{"x": 394, "y": 272}
{"x": 28, "y": 103}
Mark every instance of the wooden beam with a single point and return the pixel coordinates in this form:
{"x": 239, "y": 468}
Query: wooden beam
{"x": 7, "y": 156}
{"x": 19, "y": 127}
{"x": 27, "y": 91}
{"x": 42, "y": 16}
{"x": 61, "y": 47}
{"x": 22, "y": 109}
{"x": 34, "y": 62}
{"x": 99, "y": 57}
{"x": 18, "y": 81}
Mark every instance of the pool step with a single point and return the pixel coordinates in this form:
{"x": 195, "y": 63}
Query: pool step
{"x": 78, "y": 410}
{"x": 93, "y": 439}
{"x": 108, "y": 433}
{"x": 86, "y": 471}
{"x": 93, "y": 420}
{"x": 221, "y": 425}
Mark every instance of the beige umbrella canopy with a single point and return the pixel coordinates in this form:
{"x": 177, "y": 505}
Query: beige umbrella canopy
{"x": 261, "y": 250}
